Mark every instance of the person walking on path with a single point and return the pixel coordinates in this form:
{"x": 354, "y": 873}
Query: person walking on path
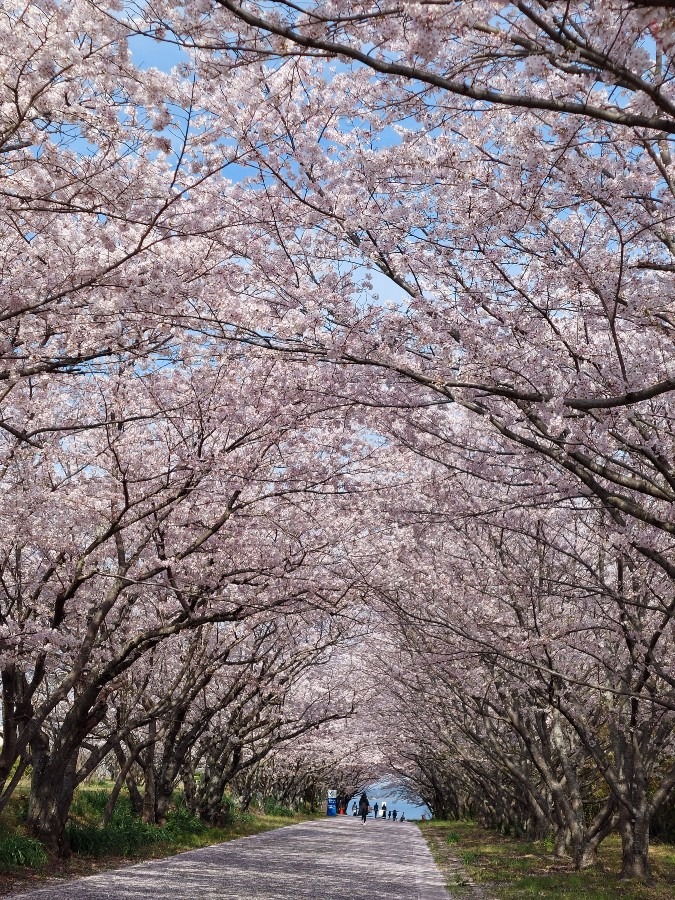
{"x": 376, "y": 809}
{"x": 389, "y": 814}
{"x": 363, "y": 807}
{"x": 393, "y": 815}
{"x": 384, "y": 809}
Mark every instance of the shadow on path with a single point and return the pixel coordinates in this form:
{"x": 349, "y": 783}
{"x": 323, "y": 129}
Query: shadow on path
{"x": 331, "y": 859}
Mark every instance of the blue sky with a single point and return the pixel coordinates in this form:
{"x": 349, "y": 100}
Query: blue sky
{"x": 147, "y": 53}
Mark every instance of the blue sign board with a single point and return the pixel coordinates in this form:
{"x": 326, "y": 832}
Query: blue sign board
{"x": 331, "y": 804}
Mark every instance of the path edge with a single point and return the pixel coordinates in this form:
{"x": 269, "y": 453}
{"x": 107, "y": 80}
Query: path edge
{"x": 424, "y": 861}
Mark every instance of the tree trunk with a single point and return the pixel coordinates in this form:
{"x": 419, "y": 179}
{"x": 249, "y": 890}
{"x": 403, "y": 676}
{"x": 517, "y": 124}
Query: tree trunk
{"x": 121, "y": 778}
{"x": 134, "y": 794}
{"x": 163, "y": 795}
{"x": 631, "y": 786}
{"x": 563, "y": 838}
{"x": 586, "y": 844}
{"x": 149, "y": 814}
{"x": 211, "y": 794}
{"x": 51, "y": 794}
{"x": 190, "y": 789}
{"x": 55, "y": 777}
{"x": 586, "y": 855}
{"x": 634, "y": 829}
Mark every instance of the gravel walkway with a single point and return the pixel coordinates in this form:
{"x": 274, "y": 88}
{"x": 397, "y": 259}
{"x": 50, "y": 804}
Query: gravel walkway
{"x": 331, "y": 859}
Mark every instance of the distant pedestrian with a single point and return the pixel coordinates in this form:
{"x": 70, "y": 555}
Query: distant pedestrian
{"x": 355, "y": 808}
{"x": 376, "y": 809}
{"x": 389, "y": 814}
{"x": 363, "y": 807}
{"x": 393, "y": 815}
{"x": 402, "y": 817}
{"x": 384, "y": 810}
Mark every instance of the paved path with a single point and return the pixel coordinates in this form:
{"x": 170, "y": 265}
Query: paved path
{"x": 331, "y": 859}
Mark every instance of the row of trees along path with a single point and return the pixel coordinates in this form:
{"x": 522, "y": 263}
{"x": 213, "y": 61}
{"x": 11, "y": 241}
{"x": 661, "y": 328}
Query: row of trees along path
{"x": 348, "y": 338}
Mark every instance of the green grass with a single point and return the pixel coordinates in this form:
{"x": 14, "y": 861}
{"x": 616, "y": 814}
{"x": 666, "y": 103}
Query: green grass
{"x": 126, "y": 837}
{"x": 18, "y": 850}
{"x": 513, "y": 868}
{"x": 274, "y": 808}
{"x": 126, "y": 834}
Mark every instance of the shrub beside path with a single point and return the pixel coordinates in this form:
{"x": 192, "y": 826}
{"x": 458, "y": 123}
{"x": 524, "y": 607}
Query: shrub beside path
{"x": 335, "y": 859}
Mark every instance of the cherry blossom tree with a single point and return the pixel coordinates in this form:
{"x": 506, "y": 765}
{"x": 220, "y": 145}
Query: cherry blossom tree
{"x": 361, "y": 314}
{"x": 344, "y": 756}
{"x": 125, "y": 536}
{"x": 542, "y": 637}
{"x": 294, "y": 689}
{"x": 520, "y": 288}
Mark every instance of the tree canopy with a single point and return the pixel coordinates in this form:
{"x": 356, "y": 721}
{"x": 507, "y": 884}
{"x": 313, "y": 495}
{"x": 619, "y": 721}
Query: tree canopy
{"x": 336, "y": 397}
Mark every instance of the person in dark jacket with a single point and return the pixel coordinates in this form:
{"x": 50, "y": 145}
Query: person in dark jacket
{"x": 363, "y": 807}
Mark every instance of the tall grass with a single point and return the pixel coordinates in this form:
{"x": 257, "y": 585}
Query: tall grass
{"x": 274, "y": 808}
{"x": 126, "y": 833}
{"x": 18, "y": 850}
{"x": 181, "y": 822}
{"x": 91, "y": 804}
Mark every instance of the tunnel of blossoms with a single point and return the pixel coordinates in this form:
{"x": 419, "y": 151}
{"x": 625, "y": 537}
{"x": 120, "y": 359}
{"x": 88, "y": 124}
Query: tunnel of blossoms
{"x": 336, "y": 426}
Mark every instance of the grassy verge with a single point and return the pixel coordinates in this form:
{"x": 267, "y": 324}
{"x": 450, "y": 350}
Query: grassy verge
{"x": 507, "y": 868}
{"x": 24, "y": 865}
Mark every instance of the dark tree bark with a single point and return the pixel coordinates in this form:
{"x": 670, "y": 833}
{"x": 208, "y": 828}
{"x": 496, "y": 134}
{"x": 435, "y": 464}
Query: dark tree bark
{"x": 53, "y": 784}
